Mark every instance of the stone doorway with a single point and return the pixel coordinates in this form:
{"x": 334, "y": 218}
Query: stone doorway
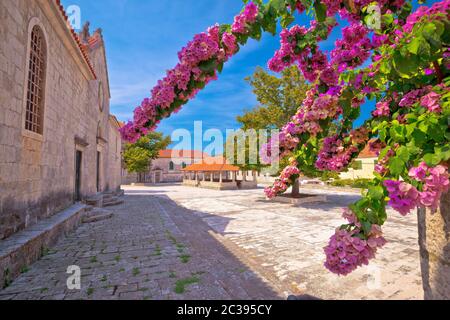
{"x": 158, "y": 176}
{"x": 98, "y": 171}
{"x": 78, "y": 161}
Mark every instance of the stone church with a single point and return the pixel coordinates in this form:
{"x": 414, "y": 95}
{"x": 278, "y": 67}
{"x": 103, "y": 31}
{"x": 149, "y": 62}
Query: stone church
{"x": 59, "y": 144}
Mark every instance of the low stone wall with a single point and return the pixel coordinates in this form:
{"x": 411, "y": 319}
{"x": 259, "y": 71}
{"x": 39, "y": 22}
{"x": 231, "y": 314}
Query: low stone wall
{"x": 299, "y": 201}
{"x": 244, "y": 185}
{"x": 28, "y": 245}
{"x": 218, "y": 185}
{"x": 190, "y": 183}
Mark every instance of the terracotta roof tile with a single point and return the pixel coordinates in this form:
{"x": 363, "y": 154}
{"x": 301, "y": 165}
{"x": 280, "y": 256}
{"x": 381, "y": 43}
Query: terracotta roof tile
{"x": 211, "y": 167}
{"x": 366, "y": 153}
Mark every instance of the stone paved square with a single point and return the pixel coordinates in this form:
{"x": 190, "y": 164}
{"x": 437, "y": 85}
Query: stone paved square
{"x": 176, "y": 242}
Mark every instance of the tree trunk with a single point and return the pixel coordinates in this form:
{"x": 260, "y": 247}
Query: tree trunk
{"x": 434, "y": 242}
{"x": 296, "y": 188}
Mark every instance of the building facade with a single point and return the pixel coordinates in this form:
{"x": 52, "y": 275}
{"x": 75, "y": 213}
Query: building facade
{"x": 167, "y": 167}
{"x": 58, "y": 142}
{"x": 362, "y": 167}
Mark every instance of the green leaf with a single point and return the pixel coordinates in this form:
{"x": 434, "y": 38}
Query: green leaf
{"x": 405, "y": 64}
{"x": 376, "y": 192}
{"x": 366, "y": 226}
{"x": 387, "y": 19}
{"x": 286, "y": 20}
{"x": 431, "y": 159}
{"x": 432, "y": 32}
{"x": 443, "y": 153}
{"x": 403, "y": 153}
{"x": 396, "y": 165}
{"x": 220, "y": 67}
{"x": 278, "y": 5}
{"x": 207, "y": 66}
{"x": 419, "y": 46}
{"x": 321, "y": 10}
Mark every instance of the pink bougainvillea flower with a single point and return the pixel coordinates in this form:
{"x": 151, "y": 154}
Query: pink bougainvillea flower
{"x": 419, "y": 173}
{"x": 346, "y": 251}
{"x": 403, "y": 197}
{"x": 247, "y": 17}
{"x": 382, "y": 109}
{"x": 431, "y": 102}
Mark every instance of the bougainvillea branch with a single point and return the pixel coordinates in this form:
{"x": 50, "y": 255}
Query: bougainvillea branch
{"x": 401, "y": 62}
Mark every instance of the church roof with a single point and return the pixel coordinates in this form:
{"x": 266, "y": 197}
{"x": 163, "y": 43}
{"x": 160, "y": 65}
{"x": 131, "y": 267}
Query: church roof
{"x": 211, "y": 167}
{"x": 75, "y": 37}
{"x": 217, "y": 163}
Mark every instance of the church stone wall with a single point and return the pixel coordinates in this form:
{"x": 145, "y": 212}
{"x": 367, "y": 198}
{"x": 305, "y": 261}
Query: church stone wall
{"x": 37, "y": 172}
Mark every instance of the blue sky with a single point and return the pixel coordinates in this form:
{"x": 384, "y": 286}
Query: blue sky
{"x": 142, "y": 40}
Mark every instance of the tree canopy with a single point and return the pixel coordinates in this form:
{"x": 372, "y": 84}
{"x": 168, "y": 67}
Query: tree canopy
{"x": 279, "y": 98}
{"x": 137, "y": 156}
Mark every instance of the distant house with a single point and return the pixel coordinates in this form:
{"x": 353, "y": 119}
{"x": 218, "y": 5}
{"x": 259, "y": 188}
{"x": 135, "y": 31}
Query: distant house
{"x": 362, "y": 167}
{"x": 168, "y": 166}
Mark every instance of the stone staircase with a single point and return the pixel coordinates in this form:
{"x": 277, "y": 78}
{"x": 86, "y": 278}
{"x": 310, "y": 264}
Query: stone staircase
{"x": 105, "y": 199}
{"x": 95, "y": 206}
{"x": 94, "y": 214}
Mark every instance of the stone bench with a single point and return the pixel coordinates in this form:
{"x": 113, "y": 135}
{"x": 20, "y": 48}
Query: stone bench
{"x": 28, "y": 245}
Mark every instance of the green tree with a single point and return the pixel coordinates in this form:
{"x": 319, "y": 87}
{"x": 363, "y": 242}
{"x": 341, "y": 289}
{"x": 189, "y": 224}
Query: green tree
{"x": 279, "y": 98}
{"x": 138, "y": 156}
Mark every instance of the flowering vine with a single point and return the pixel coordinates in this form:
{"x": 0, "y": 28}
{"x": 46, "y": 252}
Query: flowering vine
{"x": 402, "y": 63}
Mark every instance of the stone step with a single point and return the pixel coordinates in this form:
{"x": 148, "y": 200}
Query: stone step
{"x": 94, "y": 201}
{"x": 112, "y": 202}
{"x": 97, "y": 214}
{"x": 105, "y": 199}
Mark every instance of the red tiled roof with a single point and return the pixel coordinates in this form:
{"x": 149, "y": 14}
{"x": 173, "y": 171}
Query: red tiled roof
{"x": 94, "y": 40}
{"x": 366, "y": 153}
{"x": 76, "y": 38}
{"x": 194, "y": 154}
{"x": 211, "y": 167}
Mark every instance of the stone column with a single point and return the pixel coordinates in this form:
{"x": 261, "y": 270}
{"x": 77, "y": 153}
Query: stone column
{"x": 220, "y": 176}
{"x": 196, "y": 177}
{"x": 296, "y": 188}
{"x": 212, "y": 176}
{"x": 244, "y": 175}
{"x": 233, "y": 176}
{"x": 434, "y": 242}
{"x": 204, "y": 176}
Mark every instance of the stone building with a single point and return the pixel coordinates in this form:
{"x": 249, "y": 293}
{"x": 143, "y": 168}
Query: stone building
{"x": 167, "y": 167}
{"x": 58, "y": 141}
{"x": 362, "y": 167}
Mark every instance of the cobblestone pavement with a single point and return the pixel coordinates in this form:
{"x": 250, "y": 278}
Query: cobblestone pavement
{"x": 149, "y": 249}
{"x": 175, "y": 242}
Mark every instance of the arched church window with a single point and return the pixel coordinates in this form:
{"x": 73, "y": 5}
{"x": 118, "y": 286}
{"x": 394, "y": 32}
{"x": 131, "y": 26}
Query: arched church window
{"x": 34, "y": 116}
